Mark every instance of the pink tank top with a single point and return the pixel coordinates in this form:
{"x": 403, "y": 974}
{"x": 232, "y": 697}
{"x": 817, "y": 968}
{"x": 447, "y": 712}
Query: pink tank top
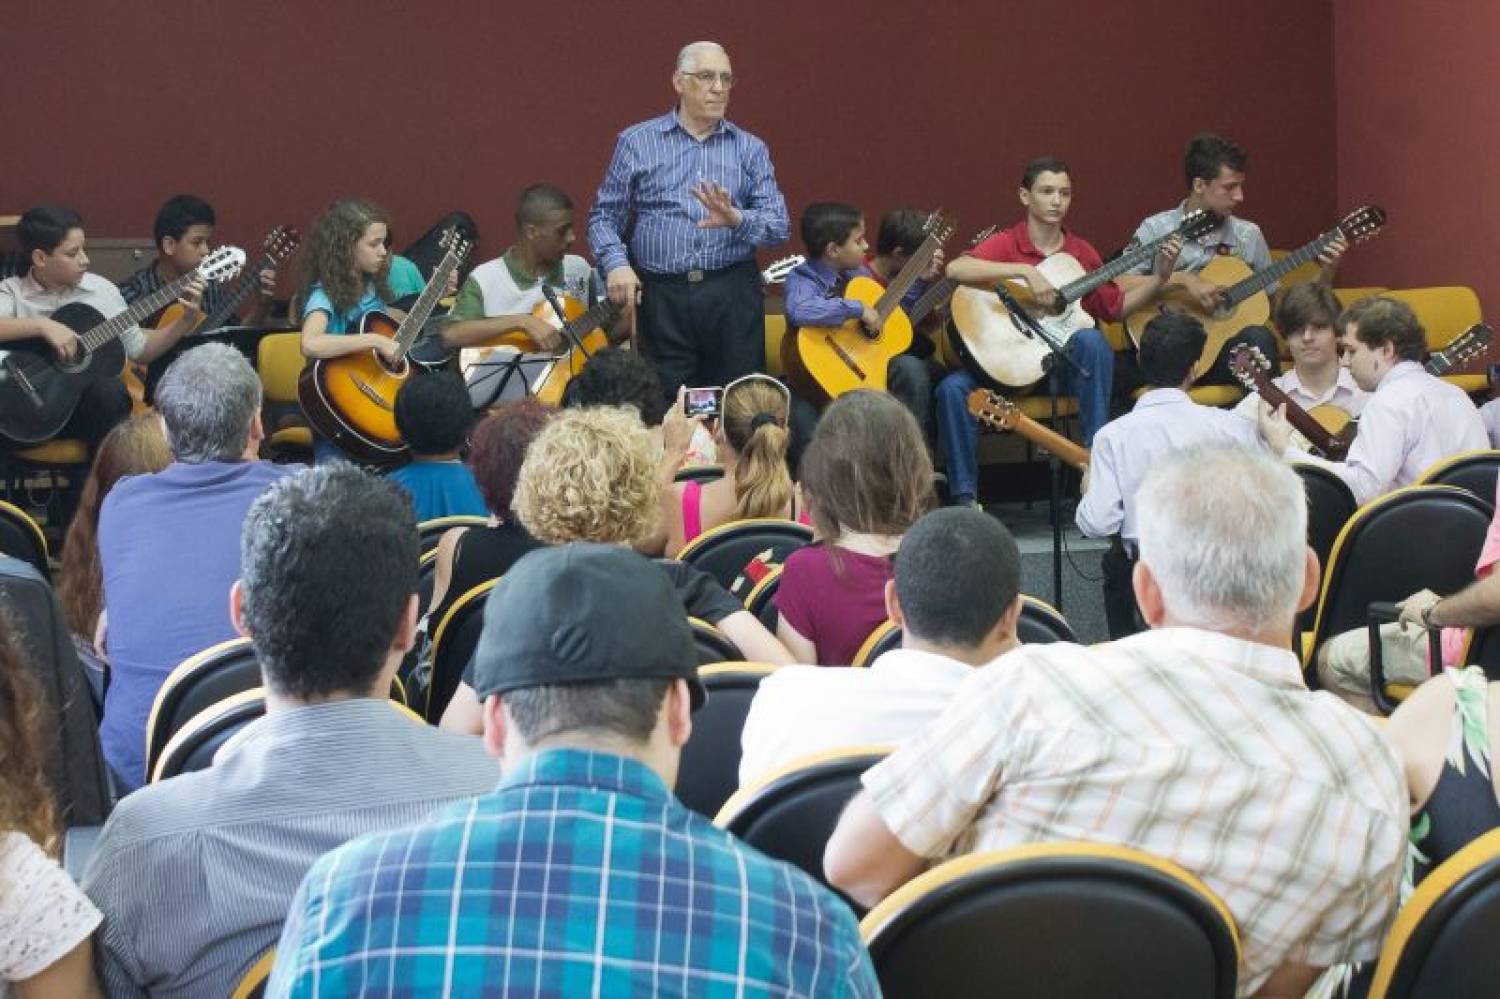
{"x": 692, "y": 510}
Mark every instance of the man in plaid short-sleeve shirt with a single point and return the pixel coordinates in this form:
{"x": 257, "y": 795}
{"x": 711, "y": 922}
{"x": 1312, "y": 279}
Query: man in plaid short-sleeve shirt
{"x": 580, "y": 874}
{"x": 1196, "y": 741}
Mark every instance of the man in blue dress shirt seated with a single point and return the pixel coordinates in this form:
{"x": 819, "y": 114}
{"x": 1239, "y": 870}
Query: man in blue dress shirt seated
{"x": 580, "y": 874}
{"x": 194, "y": 874}
{"x": 686, "y": 200}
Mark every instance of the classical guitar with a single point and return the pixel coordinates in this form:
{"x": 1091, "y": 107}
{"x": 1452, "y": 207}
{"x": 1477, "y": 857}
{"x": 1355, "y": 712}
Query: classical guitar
{"x": 38, "y": 393}
{"x": 996, "y": 412}
{"x": 998, "y": 349}
{"x": 351, "y": 400}
{"x": 1328, "y": 430}
{"x": 583, "y": 334}
{"x": 278, "y": 245}
{"x": 1242, "y": 298}
{"x": 824, "y": 362}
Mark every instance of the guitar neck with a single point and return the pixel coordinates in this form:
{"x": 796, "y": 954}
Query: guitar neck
{"x": 115, "y": 326}
{"x": 1299, "y": 418}
{"x": 1123, "y": 264}
{"x": 406, "y": 333}
{"x": 932, "y": 298}
{"x": 1263, "y": 279}
{"x": 1466, "y": 346}
{"x": 905, "y": 278}
{"x": 604, "y": 311}
{"x": 1049, "y": 440}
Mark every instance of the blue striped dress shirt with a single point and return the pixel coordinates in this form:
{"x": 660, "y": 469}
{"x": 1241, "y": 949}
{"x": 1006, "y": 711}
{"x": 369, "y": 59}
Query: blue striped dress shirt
{"x": 579, "y": 875}
{"x": 646, "y": 200}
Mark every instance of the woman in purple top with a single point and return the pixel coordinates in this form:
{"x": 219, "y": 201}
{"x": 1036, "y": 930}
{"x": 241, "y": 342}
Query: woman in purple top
{"x": 866, "y": 477}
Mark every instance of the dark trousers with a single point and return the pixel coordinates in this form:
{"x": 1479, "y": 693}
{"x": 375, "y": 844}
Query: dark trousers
{"x": 910, "y": 379}
{"x": 1119, "y": 595}
{"x": 1255, "y": 336}
{"x": 103, "y": 404}
{"x": 703, "y": 332}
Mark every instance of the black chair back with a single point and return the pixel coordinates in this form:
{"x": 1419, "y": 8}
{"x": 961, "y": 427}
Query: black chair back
{"x": 761, "y": 600}
{"x": 726, "y": 550}
{"x": 1330, "y": 504}
{"x": 710, "y": 767}
{"x": 22, "y": 538}
{"x": 713, "y": 645}
{"x": 1410, "y": 539}
{"x": 791, "y": 815}
{"x": 1475, "y": 471}
{"x": 194, "y": 745}
{"x": 454, "y": 640}
{"x": 885, "y": 637}
{"x": 197, "y": 684}
{"x": 1042, "y": 624}
{"x": 1055, "y": 920}
{"x": 430, "y": 532}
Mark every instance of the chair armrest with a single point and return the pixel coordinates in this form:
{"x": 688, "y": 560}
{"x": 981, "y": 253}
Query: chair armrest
{"x": 1379, "y": 613}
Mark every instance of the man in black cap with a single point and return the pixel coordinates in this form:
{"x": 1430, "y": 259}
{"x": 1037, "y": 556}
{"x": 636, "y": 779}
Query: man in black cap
{"x": 580, "y": 872}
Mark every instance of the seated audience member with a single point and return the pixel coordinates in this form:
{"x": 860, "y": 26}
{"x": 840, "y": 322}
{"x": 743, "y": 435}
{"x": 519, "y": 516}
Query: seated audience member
{"x": 587, "y": 874}
{"x": 468, "y": 556}
{"x": 134, "y": 447}
{"x": 1196, "y": 742}
{"x": 592, "y": 475}
{"x": 194, "y": 874}
{"x": 866, "y": 477}
{"x": 956, "y": 598}
{"x": 1344, "y": 660}
{"x": 1412, "y": 419}
{"x": 433, "y": 415}
{"x": 619, "y": 377}
{"x": 46, "y": 923}
{"x": 169, "y": 542}
{"x": 1307, "y": 315}
{"x": 1490, "y": 414}
{"x": 1164, "y": 420}
{"x": 52, "y": 239}
{"x": 751, "y": 439}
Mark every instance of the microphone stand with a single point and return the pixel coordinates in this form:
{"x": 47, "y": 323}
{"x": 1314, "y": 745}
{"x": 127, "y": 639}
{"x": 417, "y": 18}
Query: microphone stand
{"x": 1028, "y": 325}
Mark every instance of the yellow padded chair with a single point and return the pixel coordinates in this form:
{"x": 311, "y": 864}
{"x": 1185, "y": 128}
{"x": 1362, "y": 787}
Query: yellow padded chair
{"x": 1348, "y": 296}
{"x": 280, "y": 364}
{"x": 1445, "y": 313}
{"x": 885, "y": 637}
{"x": 253, "y": 984}
{"x": 1443, "y": 941}
{"x": 1086, "y": 919}
{"x": 775, "y": 330}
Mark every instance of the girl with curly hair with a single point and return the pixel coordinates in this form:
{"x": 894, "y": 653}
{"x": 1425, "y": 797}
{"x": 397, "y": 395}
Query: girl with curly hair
{"x": 348, "y": 266}
{"x": 46, "y": 922}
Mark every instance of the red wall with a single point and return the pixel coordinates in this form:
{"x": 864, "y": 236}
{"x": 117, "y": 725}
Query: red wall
{"x": 1418, "y": 132}
{"x": 272, "y": 110}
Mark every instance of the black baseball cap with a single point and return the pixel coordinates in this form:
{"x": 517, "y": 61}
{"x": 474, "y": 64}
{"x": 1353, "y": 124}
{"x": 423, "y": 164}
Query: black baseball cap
{"x": 579, "y": 612}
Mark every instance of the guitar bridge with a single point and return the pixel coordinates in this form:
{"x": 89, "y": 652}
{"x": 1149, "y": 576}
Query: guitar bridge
{"x": 369, "y": 393}
{"x": 846, "y": 358}
{"x": 20, "y": 377}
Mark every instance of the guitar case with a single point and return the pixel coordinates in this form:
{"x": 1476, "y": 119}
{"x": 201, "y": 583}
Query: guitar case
{"x": 427, "y": 251}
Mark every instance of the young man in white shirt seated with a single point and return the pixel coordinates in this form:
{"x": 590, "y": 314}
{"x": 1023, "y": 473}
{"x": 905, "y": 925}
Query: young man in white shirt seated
{"x": 1307, "y": 316}
{"x": 956, "y": 598}
{"x": 1412, "y": 418}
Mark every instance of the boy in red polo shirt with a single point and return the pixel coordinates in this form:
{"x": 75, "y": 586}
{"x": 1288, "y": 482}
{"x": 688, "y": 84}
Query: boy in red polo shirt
{"x": 1046, "y": 192}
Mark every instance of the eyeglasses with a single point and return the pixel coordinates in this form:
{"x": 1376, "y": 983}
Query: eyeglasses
{"x": 708, "y": 77}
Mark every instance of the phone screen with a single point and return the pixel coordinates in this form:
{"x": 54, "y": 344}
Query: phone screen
{"x": 702, "y": 401}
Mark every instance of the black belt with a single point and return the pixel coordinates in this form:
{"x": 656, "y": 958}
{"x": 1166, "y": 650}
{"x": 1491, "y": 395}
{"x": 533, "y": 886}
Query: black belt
{"x": 1130, "y": 549}
{"x": 696, "y": 276}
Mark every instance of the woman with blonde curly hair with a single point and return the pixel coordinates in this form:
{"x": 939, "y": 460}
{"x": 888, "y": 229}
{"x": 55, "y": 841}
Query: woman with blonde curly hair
{"x": 46, "y": 922}
{"x": 595, "y": 475}
{"x": 135, "y": 447}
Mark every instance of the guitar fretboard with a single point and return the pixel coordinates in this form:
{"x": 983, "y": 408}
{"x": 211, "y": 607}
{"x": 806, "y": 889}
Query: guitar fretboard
{"x": 406, "y": 333}
{"x": 115, "y": 326}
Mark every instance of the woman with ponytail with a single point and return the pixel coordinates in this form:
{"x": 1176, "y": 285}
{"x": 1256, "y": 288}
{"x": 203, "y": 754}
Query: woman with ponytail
{"x": 752, "y": 439}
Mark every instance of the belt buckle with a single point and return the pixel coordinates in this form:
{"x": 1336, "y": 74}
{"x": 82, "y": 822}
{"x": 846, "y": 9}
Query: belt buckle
{"x": 694, "y": 276}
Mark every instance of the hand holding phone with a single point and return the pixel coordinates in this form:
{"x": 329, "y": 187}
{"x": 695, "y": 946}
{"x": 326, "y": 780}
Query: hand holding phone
{"x": 705, "y": 402}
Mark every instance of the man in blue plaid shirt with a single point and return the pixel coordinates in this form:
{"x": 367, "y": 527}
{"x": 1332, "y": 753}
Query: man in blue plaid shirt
{"x": 580, "y": 874}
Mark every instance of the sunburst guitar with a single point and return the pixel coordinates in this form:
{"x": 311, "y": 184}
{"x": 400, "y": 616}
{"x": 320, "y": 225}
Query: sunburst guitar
{"x": 351, "y": 399}
{"x": 1242, "y": 299}
{"x": 824, "y": 362}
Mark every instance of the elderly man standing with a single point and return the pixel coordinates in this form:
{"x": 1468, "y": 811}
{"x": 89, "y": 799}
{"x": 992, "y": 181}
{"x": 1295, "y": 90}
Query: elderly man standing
{"x": 686, "y": 200}
{"x": 1196, "y": 741}
{"x": 169, "y": 543}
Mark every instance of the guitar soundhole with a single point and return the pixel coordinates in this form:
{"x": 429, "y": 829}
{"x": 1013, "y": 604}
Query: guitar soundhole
{"x": 398, "y": 369}
{"x": 77, "y": 364}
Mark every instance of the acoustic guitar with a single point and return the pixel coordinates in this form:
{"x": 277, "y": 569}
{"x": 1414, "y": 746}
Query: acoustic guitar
{"x": 38, "y": 393}
{"x": 1328, "y": 430}
{"x": 998, "y": 349}
{"x": 996, "y": 412}
{"x": 824, "y": 362}
{"x": 1242, "y": 298}
{"x": 351, "y": 400}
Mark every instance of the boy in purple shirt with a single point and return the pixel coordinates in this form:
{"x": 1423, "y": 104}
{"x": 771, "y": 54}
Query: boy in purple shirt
{"x": 834, "y": 234}
{"x": 169, "y": 543}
